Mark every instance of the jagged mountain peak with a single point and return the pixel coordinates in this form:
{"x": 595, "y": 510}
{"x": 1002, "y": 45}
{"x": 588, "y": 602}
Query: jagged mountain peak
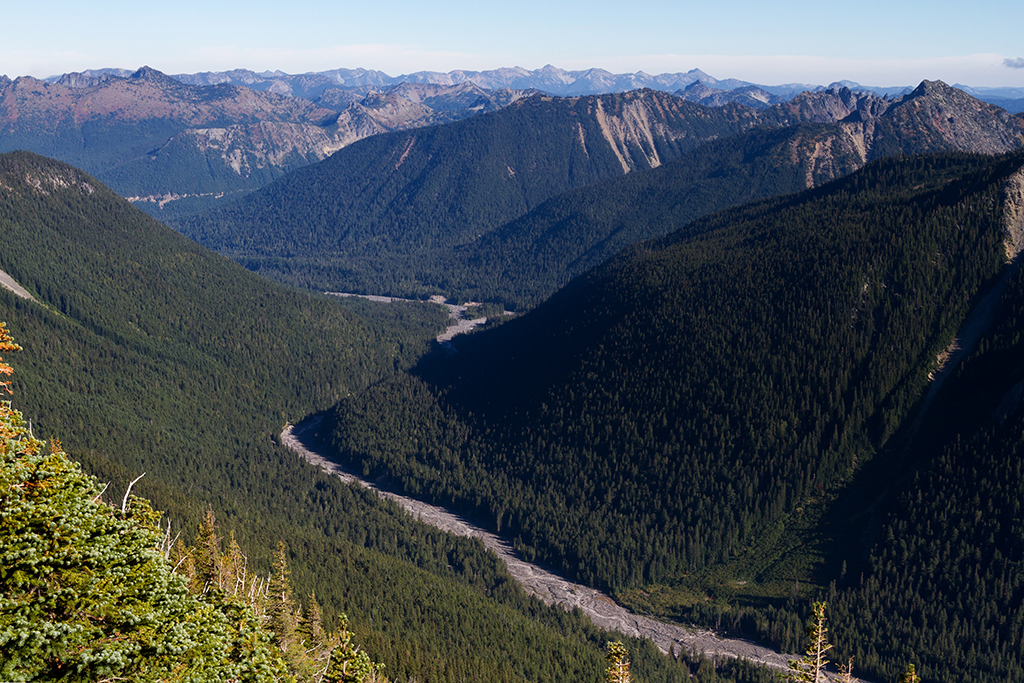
{"x": 148, "y": 73}
{"x": 939, "y": 91}
{"x": 90, "y": 77}
{"x": 927, "y": 87}
{"x": 965, "y": 123}
{"x": 834, "y": 104}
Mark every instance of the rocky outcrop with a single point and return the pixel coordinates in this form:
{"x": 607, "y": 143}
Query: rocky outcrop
{"x": 831, "y": 106}
{"x": 25, "y": 174}
{"x": 1013, "y": 214}
{"x": 934, "y": 117}
{"x": 749, "y": 96}
{"x": 957, "y": 120}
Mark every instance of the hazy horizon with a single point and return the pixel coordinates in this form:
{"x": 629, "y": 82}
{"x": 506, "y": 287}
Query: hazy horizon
{"x": 872, "y": 43}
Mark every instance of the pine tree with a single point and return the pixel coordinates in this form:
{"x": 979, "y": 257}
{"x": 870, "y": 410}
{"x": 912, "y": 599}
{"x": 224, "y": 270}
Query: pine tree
{"x": 618, "y": 664}
{"x": 350, "y": 663}
{"x": 811, "y": 667}
{"x": 281, "y": 602}
{"x": 910, "y": 675}
{"x": 312, "y": 628}
{"x": 207, "y": 554}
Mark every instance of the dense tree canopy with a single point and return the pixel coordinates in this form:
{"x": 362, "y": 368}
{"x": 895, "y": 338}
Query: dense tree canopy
{"x": 146, "y": 353}
{"x": 685, "y": 402}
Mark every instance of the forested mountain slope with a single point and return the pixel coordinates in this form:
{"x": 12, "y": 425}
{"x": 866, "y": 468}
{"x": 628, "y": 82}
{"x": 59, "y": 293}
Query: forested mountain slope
{"x": 526, "y": 260}
{"x": 144, "y": 353}
{"x": 942, "y": 580}
{"x": 392, "y": 200}
{"x": 429, "y": 211}
{"x": 677, "y": 409}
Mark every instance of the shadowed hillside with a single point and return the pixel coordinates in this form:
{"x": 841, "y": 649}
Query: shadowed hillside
{"x": 685, "y": 414}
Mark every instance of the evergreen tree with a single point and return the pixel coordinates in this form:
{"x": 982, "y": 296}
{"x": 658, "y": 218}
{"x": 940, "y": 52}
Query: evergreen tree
{"x": 86, "y": 595}
{"x": 207, "y": 554}
{"x": 811, "y": 667}
{"x": 910, "y": 675}
{"x": 281, "y": 603}
{"x": 618, "y": 663}
{"x": 350, "y": 663}
{"x": 311, "y": 628}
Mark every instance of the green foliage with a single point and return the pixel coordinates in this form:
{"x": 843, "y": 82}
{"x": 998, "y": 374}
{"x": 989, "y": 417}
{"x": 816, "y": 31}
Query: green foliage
{"x": 84, "y": 593}
{"x": 309, "y": 651}
{"x": 550, "y": 195}
{"x": 617, "y": 657}
{"x": 943, "y": 583}
{"x": 910, "y": 675}
{"x": 148, "y": 354}
{"x": 526, "y": 260}
{"x": 746, "y": 361}
{"x": 751, "y": 382}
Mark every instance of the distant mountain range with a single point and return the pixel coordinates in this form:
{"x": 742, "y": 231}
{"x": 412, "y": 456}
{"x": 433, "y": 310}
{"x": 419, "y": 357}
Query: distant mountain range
{"x": 548, "y": 79}
{"x": 156, "y": 139}
{"x": 175, "y": 144}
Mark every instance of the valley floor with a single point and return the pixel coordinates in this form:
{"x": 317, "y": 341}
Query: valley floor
{"x": 458, "y": 323}
{"x": 552, "y": 589}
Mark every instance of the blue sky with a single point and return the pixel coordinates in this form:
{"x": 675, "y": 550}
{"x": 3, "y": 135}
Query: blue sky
{"x": 796, "y": 41}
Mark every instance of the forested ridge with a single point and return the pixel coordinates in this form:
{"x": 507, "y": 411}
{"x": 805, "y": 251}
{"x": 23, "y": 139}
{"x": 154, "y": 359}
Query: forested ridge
{"x": 510, "y": 205}
{"x": 395, "y": 200}
{"x": 945, "y": 577}
{"x": 528, "y": 259}
{"x": 144, "y": 353}
{"x": 698, "y": 400}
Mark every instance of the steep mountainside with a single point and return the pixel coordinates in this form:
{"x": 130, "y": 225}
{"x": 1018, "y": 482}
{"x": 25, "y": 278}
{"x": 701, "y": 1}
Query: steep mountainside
{"x": 392, "y": 200}
{"x": 403, "y": 215}
{"x": 679, "y": 415}
{"x": 526, "y": 260}
{"x": 147, "y": 354}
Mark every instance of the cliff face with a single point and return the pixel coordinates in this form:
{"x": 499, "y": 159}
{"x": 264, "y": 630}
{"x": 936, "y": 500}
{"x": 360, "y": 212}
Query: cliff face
{"x": 933, "y": 118}
{"x": 957, "y": 120}
{"x": 645, "y": 128}
{"x": 1013, "y": 214}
